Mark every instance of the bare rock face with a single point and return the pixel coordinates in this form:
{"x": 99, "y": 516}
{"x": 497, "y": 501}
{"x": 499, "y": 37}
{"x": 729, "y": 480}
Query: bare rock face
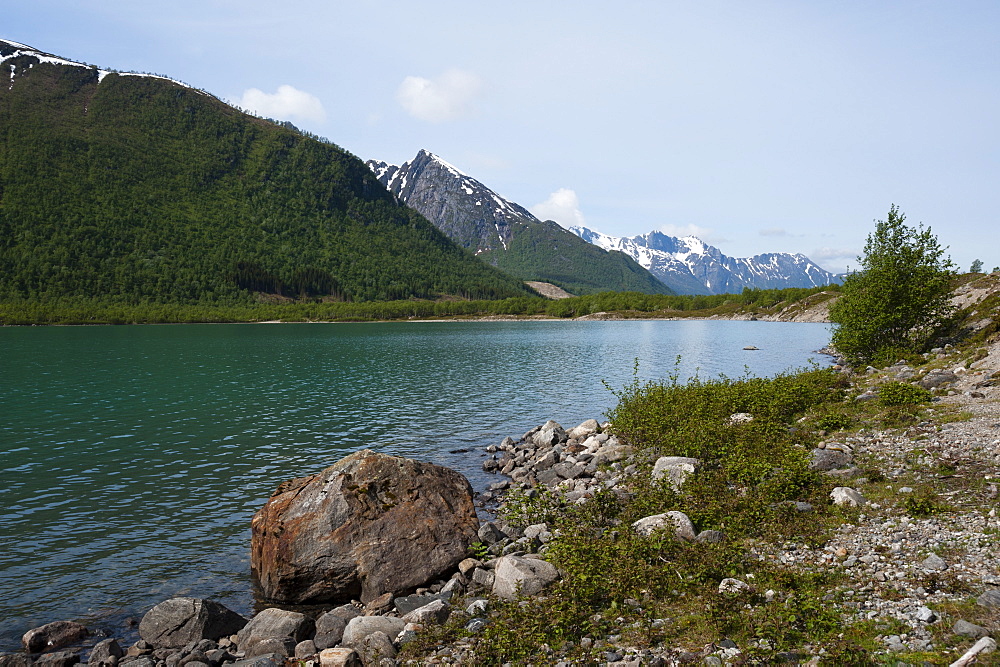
{"x": 370, "y": 524}
{"x": 53, "y": 636}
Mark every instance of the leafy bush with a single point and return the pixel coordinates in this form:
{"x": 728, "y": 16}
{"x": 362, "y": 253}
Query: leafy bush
{"x": 902, "y": 393}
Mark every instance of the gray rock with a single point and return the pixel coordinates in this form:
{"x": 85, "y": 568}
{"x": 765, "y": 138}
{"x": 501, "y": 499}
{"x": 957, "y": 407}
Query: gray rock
{"x": 550, "y": 434}
{"x": 329, "y": 630}
{"x": 966, "y": 629}
{"x": 925, "y": 615}
{"x": 828, "y": 459}
{"x": 711, "y": 536}
{"x": 362, "y": 626}
{"x": 281, "y": 645}
{"x": 58, "y": 659}
{"x": 489, "y": 533}
{"x": 15, "y": 660}
{"x": 432, "y": 612}
{"x": 675, "y": 469}
{"x": 346, "y": 611}
{"x": 276, "y": 623}
{"x": 483, "y": 578}
{"x": 268, "y": 660}
{"x": 584, "y": 430}
{"x": 846, "y": 496}
{"x": 370, "y": 524}
{"x": 305, "y": 650}
{"x": 677, "y": 522}
{"x": 933, "y": 563}
{"x": 179, "y": 621}
{"x": 107, "y": 652}
{"x": 937, "y": 378}
{"x": 138, "y": 661}
{"x": 377, "y": 649}
{"x": 53, "y": 635}
{"x": 515, "y": 575}
{"x": 990, "y": 599}
{"x": 405, "y": 605}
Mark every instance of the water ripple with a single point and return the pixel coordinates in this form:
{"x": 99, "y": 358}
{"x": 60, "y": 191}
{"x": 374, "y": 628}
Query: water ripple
{"x": 132, "y": 458}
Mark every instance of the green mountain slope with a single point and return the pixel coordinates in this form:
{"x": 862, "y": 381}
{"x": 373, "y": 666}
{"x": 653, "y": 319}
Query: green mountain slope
{"x": 506, "y": 234}
{"x": 545, "y": 251}
{"x": 135, "y": 188}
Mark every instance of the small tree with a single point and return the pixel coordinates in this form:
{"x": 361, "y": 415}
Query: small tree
{"x": 899, "y": 301}
{"x": 977, "y": 266}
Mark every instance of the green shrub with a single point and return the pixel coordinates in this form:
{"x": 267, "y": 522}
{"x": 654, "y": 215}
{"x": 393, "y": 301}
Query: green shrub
{"x": 901, "y": 393}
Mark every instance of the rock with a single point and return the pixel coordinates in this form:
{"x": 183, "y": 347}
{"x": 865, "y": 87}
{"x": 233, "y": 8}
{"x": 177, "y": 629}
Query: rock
{"x": 483, "y": 578}
{"x": 925, "y": 615}
{"x": 379, "y": 605}
{"x": 730, "y": 586}
{"x": 283, "y": 646}
{"x": 468, "y": 565}
{"x": 140, "y": 661}
{"x": 550, "y": 434}
{"x": 329, "y": 630}
{"x": 15, "y": 660}
{"x": 275, "y": 623}
{"x": 53, "y": 635}
{"x": 711, "y": 537}
{"x": 937, "y": 378}
{"x": 370, "y": 524}
{"x": 675, "y": 469}
{"x": 933, "y": 563}
{"x": 405, "y": 605}
{"x": 490, "y": 534}
{"x": 58, "y": 659}
{"x": 179, "y": 621}
{"x": 268, "y": 660}
{"x": 584, "y": 430}
{"x": 966, "y": 629}
{"x": 990, "y": 599}
{"x": 339, "y": 657}
{"x": 740, "y": 418}
{"x": 846, "y": 496}
{"x": 305, "y": 649}
{"x": 106, "y": 653}
{"x": 346, "y": 611}
{"x": 437, "y": 611}
{"x": 516, "y": 575}
{"x": 362, "y": 626}
{"x": 377, "y": 649}
{"x": 828, "y": 459}
{"x": 677, "y": 522}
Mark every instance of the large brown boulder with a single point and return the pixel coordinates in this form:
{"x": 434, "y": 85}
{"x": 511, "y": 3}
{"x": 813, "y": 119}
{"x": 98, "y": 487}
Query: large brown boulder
{"x": 370, "y": 524}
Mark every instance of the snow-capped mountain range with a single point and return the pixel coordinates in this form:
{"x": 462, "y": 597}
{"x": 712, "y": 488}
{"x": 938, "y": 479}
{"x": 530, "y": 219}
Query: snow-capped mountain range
{"x": 690, "y": 266}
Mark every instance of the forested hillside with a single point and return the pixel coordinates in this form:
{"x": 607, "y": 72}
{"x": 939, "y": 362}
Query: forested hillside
{"x": 137, "y": 189}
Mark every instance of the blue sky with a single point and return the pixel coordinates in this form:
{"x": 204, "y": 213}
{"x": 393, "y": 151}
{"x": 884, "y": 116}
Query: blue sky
{"x": 756, "y": 125}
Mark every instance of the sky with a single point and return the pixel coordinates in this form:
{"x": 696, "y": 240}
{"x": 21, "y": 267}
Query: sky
{"x": 756, "y": 125}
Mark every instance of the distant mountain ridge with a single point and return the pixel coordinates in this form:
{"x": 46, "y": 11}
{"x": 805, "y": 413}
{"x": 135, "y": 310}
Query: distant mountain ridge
{"x": 507, "y": 235}
{"x": 690, "y": 266}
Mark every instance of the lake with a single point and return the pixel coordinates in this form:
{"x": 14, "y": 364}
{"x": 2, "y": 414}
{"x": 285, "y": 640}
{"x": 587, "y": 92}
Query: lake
{"x": 132, "y": 458}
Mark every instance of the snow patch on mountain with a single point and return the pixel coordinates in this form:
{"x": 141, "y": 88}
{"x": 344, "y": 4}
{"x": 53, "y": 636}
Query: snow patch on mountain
{"x": 690, "y": 266}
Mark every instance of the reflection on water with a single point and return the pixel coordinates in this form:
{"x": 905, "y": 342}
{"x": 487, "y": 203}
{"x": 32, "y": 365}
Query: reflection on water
{"x": 132, "y": 458}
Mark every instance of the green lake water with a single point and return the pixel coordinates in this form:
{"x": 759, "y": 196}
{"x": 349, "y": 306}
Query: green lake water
{"x": 132, "y": 458}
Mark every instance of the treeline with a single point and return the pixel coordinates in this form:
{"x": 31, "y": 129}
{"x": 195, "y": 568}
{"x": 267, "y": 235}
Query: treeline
{"x": 86, "y": 311}
{"x": 137, "y": 190}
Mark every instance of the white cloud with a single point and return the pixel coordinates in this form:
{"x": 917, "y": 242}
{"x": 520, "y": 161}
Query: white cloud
{"x": 836, "y": 260}
{"x": 288, "y": 103}
{"x": 563, "y": 206}
{"x": 774, "y": 231}
{"x": 447, "y": 97}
